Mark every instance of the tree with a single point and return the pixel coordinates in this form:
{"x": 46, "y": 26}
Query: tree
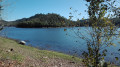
{"x": 1, "y": 8}
{"x": 115, "y": 8}
{"x": 101, "y": 33}
{"x": 42, "y": 20}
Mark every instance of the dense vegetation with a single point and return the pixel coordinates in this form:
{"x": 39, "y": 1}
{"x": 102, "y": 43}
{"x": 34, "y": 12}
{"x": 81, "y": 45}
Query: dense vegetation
{"x": 49, "y": 20}
{"x": 116, "y": 21}
{"x": 46, "y": 20}
{"x": 52, "y": 20}
{"x": 43, "y": 20}
{"x": 102, "y": 33}
{"x": 5, "y": 23}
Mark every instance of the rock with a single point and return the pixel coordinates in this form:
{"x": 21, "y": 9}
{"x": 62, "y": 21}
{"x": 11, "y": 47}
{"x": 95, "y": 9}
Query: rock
{"x": 22, "y": 42}
{"x": 8, "y": 51}
{"x": 11, "y": 49}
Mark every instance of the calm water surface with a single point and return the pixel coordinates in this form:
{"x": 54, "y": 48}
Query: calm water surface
{"x": 55, "y": 39}
{"x": 47, "y": 38}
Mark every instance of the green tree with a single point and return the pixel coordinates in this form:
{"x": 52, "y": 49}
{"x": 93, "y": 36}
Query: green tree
{"x": 43, "y": 20}
{"x": 101, "y": 32}
{"x": 1, "y": 8}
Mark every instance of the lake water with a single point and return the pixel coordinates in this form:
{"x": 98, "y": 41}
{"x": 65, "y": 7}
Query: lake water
{"x": 55, "y": 39}
{"x": 47, "y": 38}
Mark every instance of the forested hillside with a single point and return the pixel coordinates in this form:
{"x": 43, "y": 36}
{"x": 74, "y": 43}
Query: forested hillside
{"x": 50, "y": 20}
{"x": 43, "y": 20}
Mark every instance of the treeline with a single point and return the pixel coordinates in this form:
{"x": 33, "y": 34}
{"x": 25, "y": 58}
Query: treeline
{"x": 50, "y": 20}
{"x": 43, "y": 20}
{"x": 3, "y": 23}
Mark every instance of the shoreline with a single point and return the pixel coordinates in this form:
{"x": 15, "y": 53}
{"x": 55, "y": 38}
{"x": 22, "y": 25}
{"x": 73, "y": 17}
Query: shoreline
{"x": 26, "y": 55}
{"x": 16, "y": 40}
{"x": 40, "y": 49}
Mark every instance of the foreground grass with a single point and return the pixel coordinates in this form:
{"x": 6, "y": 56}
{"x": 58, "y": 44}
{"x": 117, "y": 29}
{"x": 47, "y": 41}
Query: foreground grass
{"x": 31, "y": 57}
{"x": 26, "y": 56}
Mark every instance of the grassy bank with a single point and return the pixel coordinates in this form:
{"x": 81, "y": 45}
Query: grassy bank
{"x": 14, "y": 54}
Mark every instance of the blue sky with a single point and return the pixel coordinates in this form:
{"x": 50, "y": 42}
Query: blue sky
{"x": 17, "y": 9}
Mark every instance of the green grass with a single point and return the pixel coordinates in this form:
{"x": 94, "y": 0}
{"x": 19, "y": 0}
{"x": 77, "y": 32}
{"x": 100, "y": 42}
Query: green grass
{"x": 12, "y": 56}
{"x": 21, "y": 52}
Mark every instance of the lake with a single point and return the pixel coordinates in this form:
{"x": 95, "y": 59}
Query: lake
{"x": 55, "y": 39}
